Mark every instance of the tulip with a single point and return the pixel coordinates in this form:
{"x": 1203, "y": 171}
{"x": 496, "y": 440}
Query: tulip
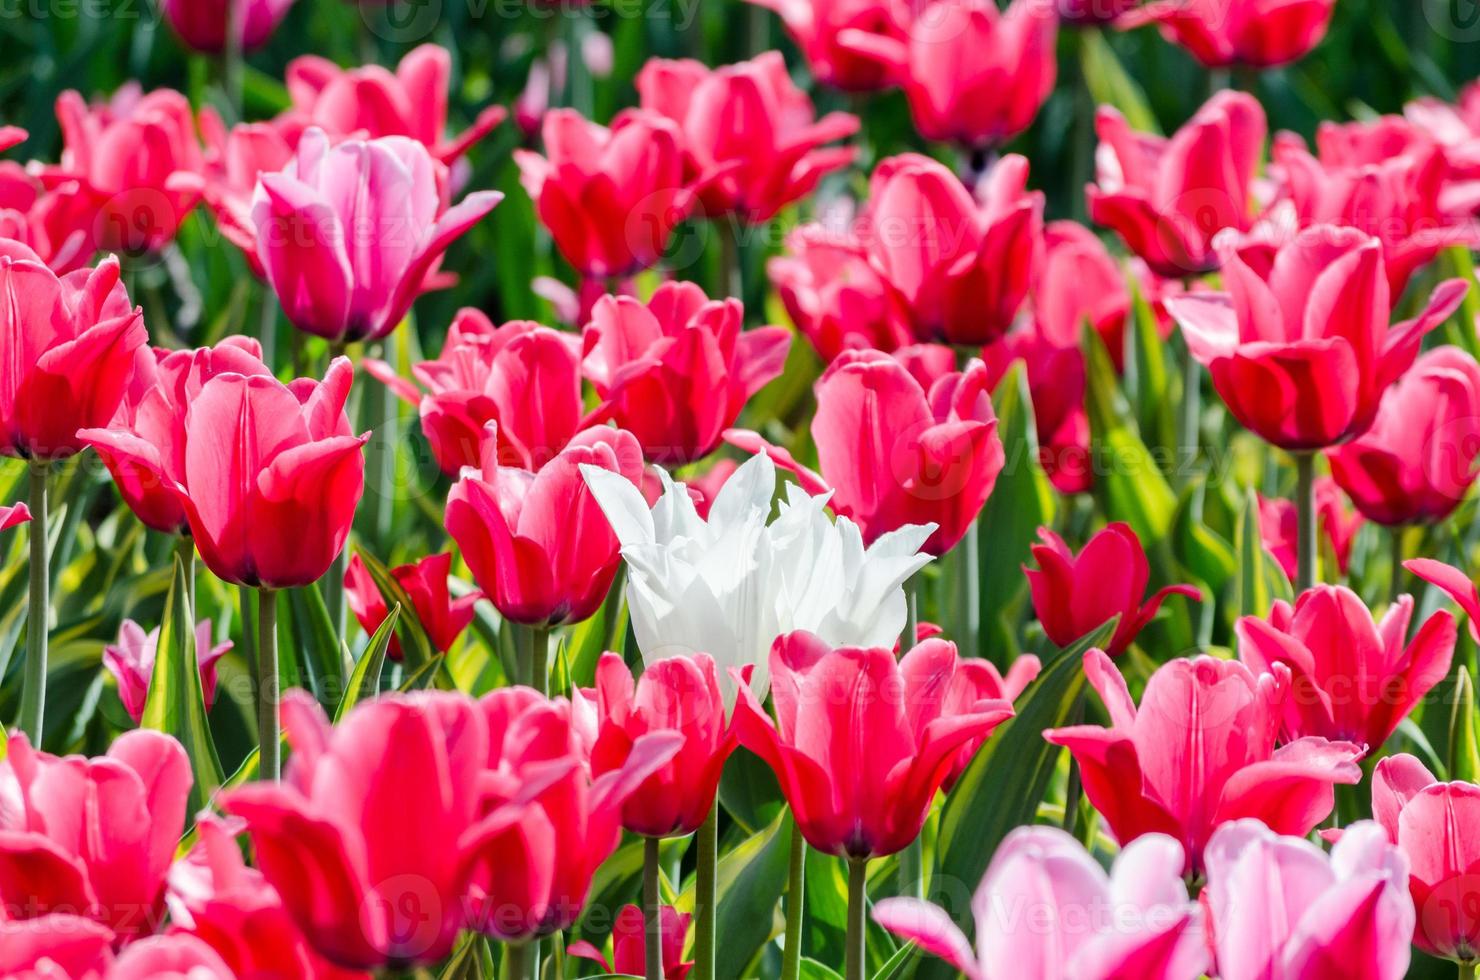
{"x": 55, "y": 223}
{"x": 1168, "y": 198}
{"x": 39, "y": 948}
{"x": 522, "y": 376}
{"x": 1092, "y": 13}
{"x": 204, "y": 26}
{"x": 1353, "y": 678}
{"x": 334, "y": 838}
{"x": 1080, "y": 923}
{"x": 974, "y": 76}
{"x": 371, "y": 102}
{"x": 1253, "y": 33}
{"x": 170, "y": 958}
{"x": 11, "y": 136}
{"x": 750, "y": 136}
{"x": 131, "y": 662}
{"x": 13, "y": 515}
{"x": 350, "y": 235}
{"x": 137, "y": 161}
{"x": 1056, "y": 387}
{"x": 629, "y": 957}
{"x": 1433, "y": 825}
{"x": 1418, "y": 460}
{"x": 1299, "y": 347}
{"x": 1336, "y": 521}
{"x": 832, "y": 294}
{"x": 1200, "y": 752}
{"x": 1279, "y": 908}
{"x": 235, "y": 159}
{"x": 676, "y": 371}
{"x": 977, "y": 679}
{"x": 959, "y": 268}
{"x": 1074, "y": 595}
{"x": 893, "y": 453}
{"x": 609, "y": 197}
{"x": 93, "y": 837}
{"x": 827, "y": 32}
{"x": 1080, "y": 284}
{"x": 144, "y": 445}
{"x": 440, "y": 616}
{"x": 1455, "y": 583}
{"x": 730, "y": 584}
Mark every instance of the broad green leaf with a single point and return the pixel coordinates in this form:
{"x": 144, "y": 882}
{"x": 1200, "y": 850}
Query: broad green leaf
{"x": 749, "y": 791}
{"x": 810, "y": 969}
{"x": 1111, "y": 84}
{"x": 364, "y": 681}
{"x": 1147, "y": 380}
{"x": 1460, "y": 330}
{"x": 899, "y": 964}
{"x": 319, "y": 651}
{"x": 1464, "y": 752}
{"x": 415, "y": 646}
{"x": 1203, "y": 551}
{"x": 1260, "y": 579}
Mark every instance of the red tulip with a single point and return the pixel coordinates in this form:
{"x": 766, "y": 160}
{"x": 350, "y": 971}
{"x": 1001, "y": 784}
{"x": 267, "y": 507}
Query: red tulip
{"x": 92, "y": 836}
{"x": 862, "y": 741}
{"x": 368, "y": 839}
{"x": 1455, "y": 583}
{"x": 59, "y": 946}
{"x": 371, "y": 102}
{"x": 629, "y": 949}
{"x": 827, "y": 32}
{"x": 973, "y": 75}
{"x": 69, "y": 346}
{"x": 538, "y": 543}
{"x": 835, "y": 298}
{"x": 676, "y": 371}
{"x": 131, "y": 662}
{"x": 235, "y": 159}
{"x": 203, "y": 26}
{"x": 55, "y": 223}
{"x": 1418, "y": 461}
{"x": 1089, "y": 13}
{"x": 1168, "y": 198}
{"x": 1074, "y": 595}
{"x": 523, "y": 376}
{"x": 170, "y": 958}
{"x": 533, "y": 869}
{"x": 1199, "y": 752}
{"x": 959, "y": 267}
{"x": 1056, "y": 387}
{"x": 1080, "y": 284}
{"x": 679, "y": 694}
{"x": 1433, "y": 824}
{"x": 137, "y": 162}
{"x": 751, "y": 137}
{"x": 1336, "y": 523}
{"x": 974, "y": 681}
{"x": 893, "y": 453}
{"x": 609, "y": 197}
{"x": 1299, "y": 346}
{"x": 350, "y": 235}
{"x": 144, "y": 446}
{"x": 14, "y": 515}
{"x": 1354, "y": 679}
{"x": 1256, "y": 33}
{"x": 442, "y": 617}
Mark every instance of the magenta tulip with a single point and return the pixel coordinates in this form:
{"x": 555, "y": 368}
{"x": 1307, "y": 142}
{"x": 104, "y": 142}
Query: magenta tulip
{"x": 1453, "y": 582}
{"x": 827, "y": 32}
{"x": 131, "y": 662}
{"x": 235, "y": 159}
{"x": 439, "y": 615}
{"x": 58, "y": 946}
{"x": 836, "y": 299}
{"x": 203, "y": 26}
{"x": 1254, "y": 33}
{"x": 170, "y": 958}
{"x": 1057, "y": 383}
{"x": 1336, "y": 523}
{"x": 629, "y": 952}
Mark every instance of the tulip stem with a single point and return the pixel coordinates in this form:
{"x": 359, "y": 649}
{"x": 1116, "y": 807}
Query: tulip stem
{"x": 33, "y": 690}
{"x": 971, "y": 593}
{"x": 1188, "y": 436}
{"x": 539, "y": 659}
{"x": 1395, "y": 587}
{"x": 732, "y": 270}
{"x": 1305, "y": 505}
{"x": 518, "y": 957}
{"x": 857, "y": 918}
{"x": 185, "y": 551}
{"x": 704, "y": 891}
{"x": 796, "y": 897}
{"x": 1467, "y": 969}
{"x": 911, "y": 613}
{"x": 652, "y": 907}
{"x": 269, "y": 750}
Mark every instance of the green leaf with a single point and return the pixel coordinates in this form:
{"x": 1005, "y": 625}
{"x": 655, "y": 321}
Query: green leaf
{"x": 317, "y": 647}
{"x": 899, "y": 964}
{"x": 1460, "y": 330}
{"x": 750, "y": 880}
{"x": 1147, "y": 380}
{"x": 1464, "y": 747}
{"x": 1111, "y": 84}
{"x": 810, "y": 969}
{"x": 749, "y": 791}
{"x": 1260, "y": 579}
{"x": 415, "y": 646}
{"x": 176, "y": 704}
{"x": 365, "y": 680}
{"x": 1202, "y": 550}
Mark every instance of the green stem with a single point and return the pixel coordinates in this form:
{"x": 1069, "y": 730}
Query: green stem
{"x": 38, "y": 613}
{"x": 1395, "y": 587}
{"x": 268, "y": 725}
{"x": 1305, "y": 507}
{"x": 1188, "y": 436}
{"x": 539, "y": 658}
{"x": 652, "y": 907}
{"x": 231, "y": 57}
{"x": 857, "y": 918}
{"x": 518, "y": 957}
{"x": 704, "y": 893}
{"x": 796, "y": 899}
{"x": 1467, "y": 969}
{"x": 732, "y": 271}
{"x": 911, "y": 613}
{"x": 971, "y": 593}
{"x": 185, "y": 551}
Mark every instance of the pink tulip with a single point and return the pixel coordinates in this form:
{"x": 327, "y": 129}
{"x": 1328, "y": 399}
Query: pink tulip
{"x": 1200, "y": 752}
{"x": 853, "y": 796}
{"x": 1353, "y": 678}
{"x": 170, "y": 958}
{"x": 1299, "y": 346}
{"x": 1074, "y": 595}
{"x": 976, "y": 680}
{"x": 14, "y": 515}
{"x": 144, "y": 445}
{"x": 1433, "y": 824}
{"x": 1455, "y": 583}
{"x": 69, "y": 346}
{"x": 677, "y": 370}
{"x": 678, "y": 694}
{"x": 203, "y": 26}
{"x": 610, "y": 198}
{"x": 1168, "y": 198}
{"x": 440, "y": 616}
{"x": 335, "y": 838}
{"x": 1336, "y": 523}
{"x": 835, "y": 298}
{"x": 533, "y": 870}
{"x": 629, "y": 951}
{"x": 137, "y": 161}
{"x": 959, "y": 267}
{"x": 538, "y": 543}
{"x": 11, "y": 136}
{"x": 131, "y": 662}
{"x": 1056, "y": 386}
{"x": 1045, "y": 910}
{"x": 235, "y": 159}
{"x": 1279, "y": 908}
{"x": 55, "y": 223}
{"x": 894, "y": 453}
{"x": 973, "y": 75}
{"x": 1418, "y": 460}
{"x": 1090, "y": 13}
{"x": 1081, "y": 284}
{"x": 350, "y": 235}
{"x": 827, "y": 32}
{"x": 523, "y": 376}
{"x": 371, "y": 102}
{"x": 751, "y": 137}
{"x": 92, "y": 836}
{"x": 58, "y": 946}
{"x": 1255, "y": 33}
